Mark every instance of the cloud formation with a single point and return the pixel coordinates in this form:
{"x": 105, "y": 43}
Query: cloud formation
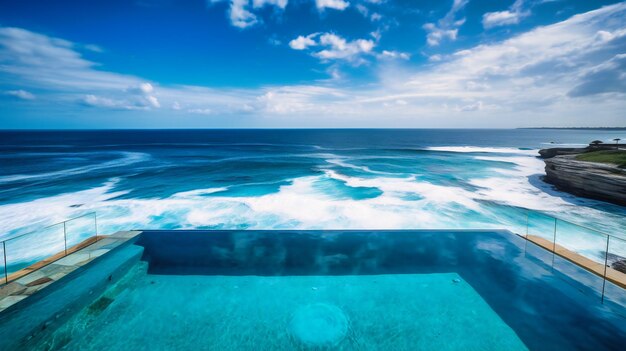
{"x": 607, "y": 77}
{"x": 565, "y": 71}
{"x": 303, "y": 42}
{"x": 446, "y": 28}
{"x": 332, "y": 4}
{"x": 240, "y": 11}
{"x": 334, "y": 47}
{"x": 502, "y": 18}
{"x": 20, "y": 94}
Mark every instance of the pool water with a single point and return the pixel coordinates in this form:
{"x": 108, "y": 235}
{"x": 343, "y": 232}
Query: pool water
{"x": 323, "y": 290}
{"x": 368, "y": 312}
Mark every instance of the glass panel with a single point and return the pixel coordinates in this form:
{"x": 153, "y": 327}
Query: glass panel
{"x": 581, "y": 253}
{"x": 81, "y": 231}
{"x": 24, "y": 251}
{"x": 3, "y": 266}
{"x": 616, "y": 272}
{"x": 516, "y": 221}
{"x": 541, "y": 226}
{"x": 586, "y": 242}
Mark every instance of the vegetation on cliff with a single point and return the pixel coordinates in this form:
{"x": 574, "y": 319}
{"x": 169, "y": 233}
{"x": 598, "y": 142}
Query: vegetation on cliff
{"x": 616, "y": 157}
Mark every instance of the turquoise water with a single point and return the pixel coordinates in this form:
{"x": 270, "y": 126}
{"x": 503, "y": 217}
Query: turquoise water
{"x": 314, "y": 290}
{"x": 371, "y": 312}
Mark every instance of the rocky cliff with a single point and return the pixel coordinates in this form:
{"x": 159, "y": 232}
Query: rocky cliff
{"x": 589, "y": 179}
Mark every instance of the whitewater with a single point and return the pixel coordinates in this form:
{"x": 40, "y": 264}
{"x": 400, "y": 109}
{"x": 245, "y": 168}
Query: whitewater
{"x": 303, "y": 179}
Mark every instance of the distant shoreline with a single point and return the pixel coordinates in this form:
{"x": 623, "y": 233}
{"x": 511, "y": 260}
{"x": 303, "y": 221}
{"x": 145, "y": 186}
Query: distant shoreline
{"x": 578, "y": 128}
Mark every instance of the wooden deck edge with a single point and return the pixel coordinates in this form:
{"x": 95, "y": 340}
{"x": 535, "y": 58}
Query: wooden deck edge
{"x": 610, "y": 274}
{"x": 46, "y": 261}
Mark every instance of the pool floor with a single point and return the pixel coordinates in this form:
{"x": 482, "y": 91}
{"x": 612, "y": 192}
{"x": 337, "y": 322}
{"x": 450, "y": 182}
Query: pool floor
{"x": 349, "y": 312}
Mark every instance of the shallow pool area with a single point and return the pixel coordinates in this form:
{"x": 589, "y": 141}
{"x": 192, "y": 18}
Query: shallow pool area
{"x": 366, "y": 312}
{"x": 322, "y": 290}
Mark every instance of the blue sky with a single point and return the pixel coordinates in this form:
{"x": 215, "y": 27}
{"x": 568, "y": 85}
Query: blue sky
{"x": 312, "y": 63}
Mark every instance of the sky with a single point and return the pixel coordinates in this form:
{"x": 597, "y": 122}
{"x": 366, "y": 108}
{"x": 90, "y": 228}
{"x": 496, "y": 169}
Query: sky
{"x": 312, "y": 64}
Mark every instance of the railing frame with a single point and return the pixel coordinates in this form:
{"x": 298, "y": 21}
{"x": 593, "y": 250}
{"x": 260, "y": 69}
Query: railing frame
{"x": 64, "y": 223}
{"x": 554, "y": 239}
{"x": 526, "y": 236}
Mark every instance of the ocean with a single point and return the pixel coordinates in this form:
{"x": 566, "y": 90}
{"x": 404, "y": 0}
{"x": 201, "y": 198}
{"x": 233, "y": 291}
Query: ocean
{"x": 292, "y": 179}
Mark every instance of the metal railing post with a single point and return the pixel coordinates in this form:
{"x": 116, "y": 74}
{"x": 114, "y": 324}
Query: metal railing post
{"x": 95, "y": 224}
{"x": 4, "y": 252}
{"x": 527, "y": 222}
{"x": 606, "y": 264}
{"x": 554, "y": 244}
{"x": 65, "y": 238}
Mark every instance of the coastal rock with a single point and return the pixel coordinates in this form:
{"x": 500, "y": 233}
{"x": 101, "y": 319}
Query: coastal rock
{"x": 588, "y": 179}
{"x": 619, "y": 265}
{"x": 559, "y": 151}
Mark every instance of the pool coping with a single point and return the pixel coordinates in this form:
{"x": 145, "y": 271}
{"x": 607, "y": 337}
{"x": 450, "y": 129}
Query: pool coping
{"x": 36, "y": 277}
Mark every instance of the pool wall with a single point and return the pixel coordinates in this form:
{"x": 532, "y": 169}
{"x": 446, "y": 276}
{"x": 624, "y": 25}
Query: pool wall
{"x": 310, "y": 252}
{"x": 36, "y": 316}
{"x": 546, "y": 299}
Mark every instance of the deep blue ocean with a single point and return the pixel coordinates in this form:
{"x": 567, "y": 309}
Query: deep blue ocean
{"x": 304, "y": 179}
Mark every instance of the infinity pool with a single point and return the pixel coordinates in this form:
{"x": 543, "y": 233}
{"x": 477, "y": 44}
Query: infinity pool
{"x": 343, "y": 290}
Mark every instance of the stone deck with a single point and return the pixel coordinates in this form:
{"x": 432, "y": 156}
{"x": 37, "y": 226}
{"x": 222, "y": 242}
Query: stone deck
{"x": 36, "y": 277}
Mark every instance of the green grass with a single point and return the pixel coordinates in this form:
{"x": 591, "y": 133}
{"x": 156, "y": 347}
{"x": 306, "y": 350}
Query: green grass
{"x": 616, "y": 157}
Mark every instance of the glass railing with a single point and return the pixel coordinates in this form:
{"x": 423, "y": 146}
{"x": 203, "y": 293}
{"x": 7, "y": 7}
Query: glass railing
{"x": 27, "y": 252}
{"x": 595, "y": 260}
{"x": 601, "y": 256}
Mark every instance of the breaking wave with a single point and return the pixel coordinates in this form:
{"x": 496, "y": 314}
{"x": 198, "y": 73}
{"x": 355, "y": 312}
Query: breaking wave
{"x": 488, "y": 187}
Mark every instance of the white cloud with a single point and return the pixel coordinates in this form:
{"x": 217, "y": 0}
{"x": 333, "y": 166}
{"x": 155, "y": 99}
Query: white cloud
{"x": 200, "y": 111}
{"x": 240, "y": 16}
{"x": 301, "y": 99}
{"x": 395, "y": 55}
{"x": 447, "y": 27}
{"x": 303, "y": 42}
{"x": 136, "y": 98}
{"x": 278, "y": 3}
{"x": 558, "y": 74}
{"x": 146, "y": 88}
{"x": 502, "y": 18}
{"x": 54, "y": 65}
{"x": 607, "y": 77}
{"x": 332, "y": 4}
{"x": 339, "y": 48}
{"x": 142, "y": 96}
{"x": 152, "y": 101}
{"x": 98, "y": 101}
{"x": 435, "y": 58}
{"x": 334, "y": 47}
{"x": 20, "y": 94}
{"x": 240, "y": 11}
{"x": 363, "y": 10}
{"x": 531, "y": 75}
{"x": 475, "y": 106}
{"x": 376, "y": 34}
